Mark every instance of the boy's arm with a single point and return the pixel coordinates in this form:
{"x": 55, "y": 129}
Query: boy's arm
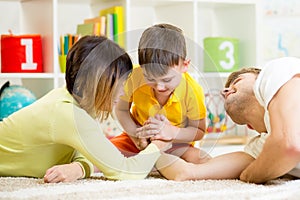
{"x": 125, "y": 118}
{"x": 281, "y": 151}
{"x": 194, "y": 131}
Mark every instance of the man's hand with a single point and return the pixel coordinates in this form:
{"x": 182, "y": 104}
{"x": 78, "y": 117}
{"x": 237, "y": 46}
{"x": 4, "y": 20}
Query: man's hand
{"x": 64, "y": 173}
{"x": 245, "y": 176}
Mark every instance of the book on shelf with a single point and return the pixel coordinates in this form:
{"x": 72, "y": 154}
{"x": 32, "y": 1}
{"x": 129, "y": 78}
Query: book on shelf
{"x": 66, "y": 41}
{"x": 114, "y": 23}
{"x": 99, "y": 24}
{"x": 110, "y": 31}
{"x": 85, "y": 29}
{"x": 110, "y": 23}
{"x": 92, "y": 26}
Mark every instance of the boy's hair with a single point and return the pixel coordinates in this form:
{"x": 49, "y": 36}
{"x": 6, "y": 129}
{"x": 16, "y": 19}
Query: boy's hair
{"x": 94, "y": 66}
{"x": 234, "y": 75}
{"x": 161, "y": 46}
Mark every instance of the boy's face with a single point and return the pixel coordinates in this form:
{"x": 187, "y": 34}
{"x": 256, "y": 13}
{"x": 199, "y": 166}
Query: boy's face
{"x": 166, "y": 84}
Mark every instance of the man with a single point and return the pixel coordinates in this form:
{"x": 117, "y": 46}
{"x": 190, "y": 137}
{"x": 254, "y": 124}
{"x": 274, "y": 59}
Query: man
{"x": 267, "y": 101}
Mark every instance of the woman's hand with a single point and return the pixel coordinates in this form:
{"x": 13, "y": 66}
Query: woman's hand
{"x": 140, "y": 143}
{"x": 162, "y": 145}
{"x": 64, "y": 173}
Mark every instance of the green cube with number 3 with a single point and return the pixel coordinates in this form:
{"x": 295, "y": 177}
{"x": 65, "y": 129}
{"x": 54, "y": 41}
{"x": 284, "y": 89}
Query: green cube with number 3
{"x": 221, "y": 54}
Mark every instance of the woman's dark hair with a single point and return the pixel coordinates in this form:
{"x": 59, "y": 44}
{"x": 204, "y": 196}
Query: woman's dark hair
{"x": 94, "y": 66}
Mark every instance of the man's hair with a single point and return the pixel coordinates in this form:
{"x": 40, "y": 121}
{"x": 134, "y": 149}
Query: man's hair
{"x": 161, "y": 46}
{"x": 234, "y": 75}
{"x": 94, "y": 66}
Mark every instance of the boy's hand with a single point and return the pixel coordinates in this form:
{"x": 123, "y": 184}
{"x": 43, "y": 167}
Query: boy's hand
{"x": 158, "y": 128}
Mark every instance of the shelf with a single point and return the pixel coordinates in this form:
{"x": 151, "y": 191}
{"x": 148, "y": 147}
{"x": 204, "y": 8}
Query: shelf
{"x": 11, "y": 1}
{"x": 157, "y": 3}
{"x": 61, "y": 75}
{"x": 197, "y": 18}
{"x": 27, "y": 75}
{"x": 216, "y": 74}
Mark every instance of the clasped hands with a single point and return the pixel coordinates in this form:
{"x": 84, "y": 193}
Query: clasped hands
{"x": 155, "y": 128}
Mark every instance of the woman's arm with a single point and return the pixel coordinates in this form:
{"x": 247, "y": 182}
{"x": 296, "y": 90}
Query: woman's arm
{"x": 85, "y": 135}
{"x": 64, "y": 173}
{"x": 80, "y": 167}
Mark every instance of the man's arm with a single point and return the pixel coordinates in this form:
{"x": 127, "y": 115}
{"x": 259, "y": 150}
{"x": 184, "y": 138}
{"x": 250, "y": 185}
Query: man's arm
{"x": 281, "y": 151}
{"x": 227, "y": 166}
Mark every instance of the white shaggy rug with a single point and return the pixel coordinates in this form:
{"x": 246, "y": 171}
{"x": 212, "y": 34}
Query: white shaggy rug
{"x": 154, "y": 187}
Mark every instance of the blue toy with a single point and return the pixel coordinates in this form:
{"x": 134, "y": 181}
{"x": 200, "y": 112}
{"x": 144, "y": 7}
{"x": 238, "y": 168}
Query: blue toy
{"x": 13, "y": 98}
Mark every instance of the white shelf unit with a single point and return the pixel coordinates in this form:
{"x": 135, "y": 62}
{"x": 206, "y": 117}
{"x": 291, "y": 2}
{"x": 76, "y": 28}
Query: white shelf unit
{"x": 31, "y": 17}
{"x": 197, "y": 18}
{"x": 200, "y": 19}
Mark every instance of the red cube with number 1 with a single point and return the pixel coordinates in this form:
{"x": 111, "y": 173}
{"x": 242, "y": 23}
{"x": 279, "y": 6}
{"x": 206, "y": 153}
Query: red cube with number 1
{"x": 21, "y": 54}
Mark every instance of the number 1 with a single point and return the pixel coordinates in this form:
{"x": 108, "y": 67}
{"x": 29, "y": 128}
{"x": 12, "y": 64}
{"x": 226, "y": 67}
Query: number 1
{"x": 29, "y": 64}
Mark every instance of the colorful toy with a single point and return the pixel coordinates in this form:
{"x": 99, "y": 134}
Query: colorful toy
{"x": 111, "y": 127}
{"x": 217, "y": 118}
{"x": 21, "y": 53}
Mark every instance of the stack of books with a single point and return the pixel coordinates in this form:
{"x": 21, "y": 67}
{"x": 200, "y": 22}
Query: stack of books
{"x": 92, "y": 26}
{"x": 110, "y": 23}
{"x": 66, "y": 42}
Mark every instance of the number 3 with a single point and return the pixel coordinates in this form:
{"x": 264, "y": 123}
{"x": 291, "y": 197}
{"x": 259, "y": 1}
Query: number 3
{"x": 229, "y": 54}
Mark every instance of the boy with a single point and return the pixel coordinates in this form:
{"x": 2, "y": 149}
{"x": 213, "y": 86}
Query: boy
{"x": 161, "y": 101}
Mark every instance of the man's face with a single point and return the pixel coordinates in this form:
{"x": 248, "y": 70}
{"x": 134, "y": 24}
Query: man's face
{"x": 238, "y": 96}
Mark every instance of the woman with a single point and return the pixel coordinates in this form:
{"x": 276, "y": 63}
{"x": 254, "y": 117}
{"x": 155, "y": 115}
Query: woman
{"x": 58, "y": 137}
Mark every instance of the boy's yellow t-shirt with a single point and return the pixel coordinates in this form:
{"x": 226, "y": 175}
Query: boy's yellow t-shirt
{"x": 186, "y": 102}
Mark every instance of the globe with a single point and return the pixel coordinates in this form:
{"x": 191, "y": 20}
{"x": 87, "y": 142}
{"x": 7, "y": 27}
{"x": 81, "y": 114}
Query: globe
{"x": 13, "y": 98}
